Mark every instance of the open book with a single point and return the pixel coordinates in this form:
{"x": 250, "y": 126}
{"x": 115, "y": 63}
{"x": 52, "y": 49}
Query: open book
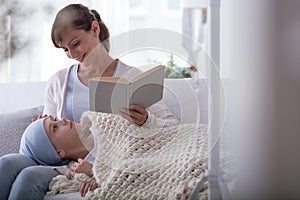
{"x": 110, "y": 94}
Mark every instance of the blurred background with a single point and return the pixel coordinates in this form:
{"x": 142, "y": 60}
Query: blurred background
{"x": 27, "y": 53}
{"x": 259, "y": 65}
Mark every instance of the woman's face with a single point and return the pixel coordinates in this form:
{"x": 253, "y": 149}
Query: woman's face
{"x": 62, "y": 134}
{"x": 79, "y": 43}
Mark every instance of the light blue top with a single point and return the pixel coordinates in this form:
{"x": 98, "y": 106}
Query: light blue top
{"x": 77, "y": 94}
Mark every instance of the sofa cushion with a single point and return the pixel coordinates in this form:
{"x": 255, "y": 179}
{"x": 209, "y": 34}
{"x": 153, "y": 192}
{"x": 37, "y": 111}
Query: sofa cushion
{"x": 12, "y": 126}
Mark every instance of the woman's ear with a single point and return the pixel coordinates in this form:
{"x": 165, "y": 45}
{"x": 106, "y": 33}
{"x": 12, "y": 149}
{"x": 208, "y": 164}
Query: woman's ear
{"x": 95, "y": 28}
{"x": 61, "y": 153}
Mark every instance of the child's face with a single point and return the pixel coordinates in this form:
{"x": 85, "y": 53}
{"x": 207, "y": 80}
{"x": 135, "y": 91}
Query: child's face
{"x": 62, "y": 134}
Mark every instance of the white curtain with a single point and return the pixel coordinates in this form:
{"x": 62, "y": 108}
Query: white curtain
{"x": 194, "y": 27}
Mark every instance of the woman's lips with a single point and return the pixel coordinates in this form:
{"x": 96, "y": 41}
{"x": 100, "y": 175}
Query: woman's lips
{"x": 81, "y": 59}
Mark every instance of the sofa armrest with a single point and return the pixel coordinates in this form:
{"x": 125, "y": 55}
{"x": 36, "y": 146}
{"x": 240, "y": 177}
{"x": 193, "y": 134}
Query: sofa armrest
{"x": 12, "y": 126}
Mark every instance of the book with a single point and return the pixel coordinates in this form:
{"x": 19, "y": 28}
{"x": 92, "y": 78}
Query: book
{"x": 110, "y": 94}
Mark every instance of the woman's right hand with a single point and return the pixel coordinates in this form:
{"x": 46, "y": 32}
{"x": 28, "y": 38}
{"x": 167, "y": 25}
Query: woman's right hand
{"x": 39, "y": 117}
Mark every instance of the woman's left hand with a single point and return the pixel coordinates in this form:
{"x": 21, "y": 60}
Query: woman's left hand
{"x": 136, "y": 114}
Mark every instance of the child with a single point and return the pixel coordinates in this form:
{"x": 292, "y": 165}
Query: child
{"x": 51, "y": 142}
{"x": 130, "y": 157}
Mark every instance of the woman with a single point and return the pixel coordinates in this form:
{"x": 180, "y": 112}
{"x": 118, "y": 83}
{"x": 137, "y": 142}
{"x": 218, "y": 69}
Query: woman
{"x": 87, "y": 42}
{"x": 81, "y": 33}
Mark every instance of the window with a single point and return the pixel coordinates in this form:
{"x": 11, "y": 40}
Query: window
{"x": 26, "y": 49}
{"x": 27, "y": 53}
{"x": 166, "y": 14}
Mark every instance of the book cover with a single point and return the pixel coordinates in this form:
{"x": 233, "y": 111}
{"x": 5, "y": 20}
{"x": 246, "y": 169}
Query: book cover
{"x": 110, "y": 94}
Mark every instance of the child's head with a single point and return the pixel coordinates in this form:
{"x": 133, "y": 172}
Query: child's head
{"x": 36, "y": 144}
{"x": 51, "y": 142}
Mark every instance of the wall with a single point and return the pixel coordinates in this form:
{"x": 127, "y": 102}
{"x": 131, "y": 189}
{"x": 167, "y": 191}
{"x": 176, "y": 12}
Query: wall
{"x": 289, "y": 96}
{"x": 19, "y": 96}
{"x": 261, "y": 49}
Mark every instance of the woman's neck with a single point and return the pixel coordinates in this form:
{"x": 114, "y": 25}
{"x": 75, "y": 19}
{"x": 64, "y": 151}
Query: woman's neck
{"x": 104, "y": 68}
{"x": 97, "y": 61}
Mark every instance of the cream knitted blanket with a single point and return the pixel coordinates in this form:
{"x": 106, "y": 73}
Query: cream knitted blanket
{"x": 134, "y": 162}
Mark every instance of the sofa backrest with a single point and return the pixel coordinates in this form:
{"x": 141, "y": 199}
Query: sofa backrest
{"x": 12, "y": 126}
{"x": 20, "y": 102}
{"x": 190, "y": 105}
{"x": 20, "y": 96}
{"x": 187, "y": 99}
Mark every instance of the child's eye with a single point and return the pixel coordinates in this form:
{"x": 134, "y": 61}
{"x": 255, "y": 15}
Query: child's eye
{"x": 53, "y": 118}
{"x": 55, "y": 127}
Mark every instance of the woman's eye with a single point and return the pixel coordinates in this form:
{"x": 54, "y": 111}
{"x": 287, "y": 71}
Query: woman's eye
{"x": 76, "y": 44}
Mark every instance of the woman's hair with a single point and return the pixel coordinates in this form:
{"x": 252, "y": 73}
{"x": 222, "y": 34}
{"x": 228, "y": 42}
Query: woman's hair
{"x": 79, "y": 17}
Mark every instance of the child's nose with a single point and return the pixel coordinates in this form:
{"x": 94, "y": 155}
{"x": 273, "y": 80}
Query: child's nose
{"x": 63, "y": 121}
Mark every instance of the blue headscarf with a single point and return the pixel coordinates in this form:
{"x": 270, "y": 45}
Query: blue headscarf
{"x": 36, "y": 144}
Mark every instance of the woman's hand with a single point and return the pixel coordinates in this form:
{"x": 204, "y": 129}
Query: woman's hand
{"x": 86, "y": 186}
{"x": 136, "y": 114}
{"x": 82, "y": 166}
{"x": 39, "y": 117}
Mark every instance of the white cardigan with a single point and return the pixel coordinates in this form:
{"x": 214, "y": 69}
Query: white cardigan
{"x": 158, "y": 114}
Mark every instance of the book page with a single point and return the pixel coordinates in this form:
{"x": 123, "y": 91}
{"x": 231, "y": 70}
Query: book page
{"x": 148, "y": 89}
{"x": 108, "y": 97}
{"x": 110, "y": 94}
{"x": 111, "y": 79}
{"x": 146, "y": 73}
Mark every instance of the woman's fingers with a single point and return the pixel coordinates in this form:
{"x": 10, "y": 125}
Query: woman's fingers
{"x": 138, "y": 109}
{"x": 39, "y": 117}
{"x": 42, "y": 116}
{"x": 135, "y": 114}
{"x": 126, "y": 114}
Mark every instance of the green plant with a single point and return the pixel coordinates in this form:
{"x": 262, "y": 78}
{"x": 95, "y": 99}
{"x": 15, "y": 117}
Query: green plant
{"x": 174, "y": 71}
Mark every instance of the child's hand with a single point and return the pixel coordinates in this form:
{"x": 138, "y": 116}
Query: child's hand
{"x": 86, "y": 186}
{"x": 82, "y": 166}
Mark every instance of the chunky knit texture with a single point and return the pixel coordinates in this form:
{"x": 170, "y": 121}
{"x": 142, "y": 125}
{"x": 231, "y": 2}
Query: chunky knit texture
{"x": 61, "y": 184}
{"x": 134, "y": 162}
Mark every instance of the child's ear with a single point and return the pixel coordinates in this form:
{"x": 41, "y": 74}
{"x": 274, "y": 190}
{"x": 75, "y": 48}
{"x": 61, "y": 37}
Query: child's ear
{"x": 61, "y": 153}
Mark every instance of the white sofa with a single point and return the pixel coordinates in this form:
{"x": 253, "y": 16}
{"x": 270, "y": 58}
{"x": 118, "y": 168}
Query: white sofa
{"x": 20, "y": 102}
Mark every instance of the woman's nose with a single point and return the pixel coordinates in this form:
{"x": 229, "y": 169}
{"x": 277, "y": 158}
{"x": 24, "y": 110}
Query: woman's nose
{"x": 72, "y": 54}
